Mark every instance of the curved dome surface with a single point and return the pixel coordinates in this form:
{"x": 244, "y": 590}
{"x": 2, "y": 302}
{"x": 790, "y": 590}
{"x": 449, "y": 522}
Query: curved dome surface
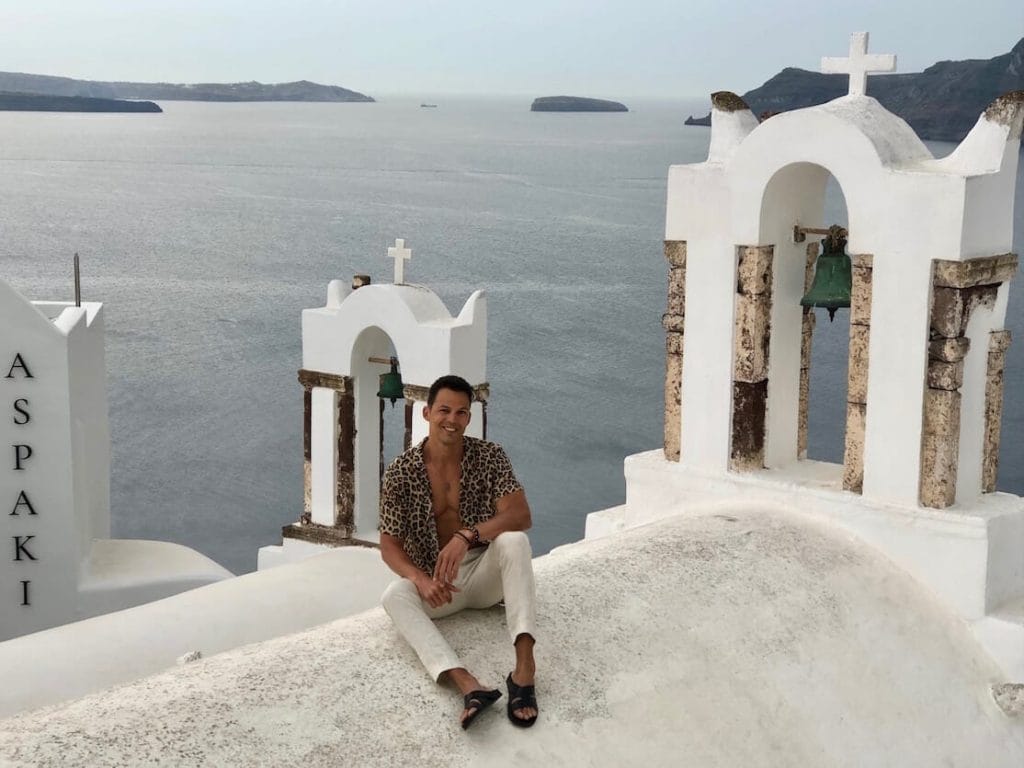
{"x": 744, "y": 637}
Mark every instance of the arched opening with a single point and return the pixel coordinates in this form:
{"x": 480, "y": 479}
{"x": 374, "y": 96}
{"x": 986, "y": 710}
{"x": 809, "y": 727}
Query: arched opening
{"x": 807, "y": 375}
{"x": 829, "y": 358}
{"x": 379, "y": 427}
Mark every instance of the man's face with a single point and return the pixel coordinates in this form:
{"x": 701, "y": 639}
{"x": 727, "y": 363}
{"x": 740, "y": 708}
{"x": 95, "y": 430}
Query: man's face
{"x": 448, "y": 417}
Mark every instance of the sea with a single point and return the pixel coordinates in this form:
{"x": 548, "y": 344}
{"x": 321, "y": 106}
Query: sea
{"x": 206, "y": 230}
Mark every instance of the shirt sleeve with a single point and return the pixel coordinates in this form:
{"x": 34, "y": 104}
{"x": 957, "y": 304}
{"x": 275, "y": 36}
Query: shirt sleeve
{"x": 503, "y": 481}
{"x": 392, "y": 518}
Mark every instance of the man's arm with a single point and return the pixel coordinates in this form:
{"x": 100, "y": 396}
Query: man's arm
{"x": 512, "y": 514}
{"x": 434, "y": 592}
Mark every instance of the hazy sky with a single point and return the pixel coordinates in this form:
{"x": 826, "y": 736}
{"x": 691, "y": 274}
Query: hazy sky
{"x": 604, "y": 48}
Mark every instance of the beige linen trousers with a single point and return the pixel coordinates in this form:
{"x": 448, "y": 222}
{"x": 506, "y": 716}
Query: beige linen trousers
{"x": 503, "y": 569}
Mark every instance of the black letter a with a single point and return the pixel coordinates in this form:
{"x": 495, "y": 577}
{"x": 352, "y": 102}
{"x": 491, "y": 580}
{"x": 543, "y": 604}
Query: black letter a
{"x": 23, "y": 502}
{"x": 19, "y": 363}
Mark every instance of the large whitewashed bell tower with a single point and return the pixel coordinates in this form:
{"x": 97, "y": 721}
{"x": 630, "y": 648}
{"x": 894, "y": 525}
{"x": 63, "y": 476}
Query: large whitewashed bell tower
{"x": 930, "y": 243}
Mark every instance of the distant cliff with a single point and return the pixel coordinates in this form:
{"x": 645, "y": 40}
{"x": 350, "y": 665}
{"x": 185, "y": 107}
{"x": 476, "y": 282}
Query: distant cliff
{"x": 942, "y": 103}
{"x": 303, "y": 90}
{"x": 575, "y": 104}
{"x": 35, "y": 102}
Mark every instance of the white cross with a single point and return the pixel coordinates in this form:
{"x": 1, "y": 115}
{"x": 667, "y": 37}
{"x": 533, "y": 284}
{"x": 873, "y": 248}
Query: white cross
{"x": 859, "y": 63}
{"x": 399, "y": 253}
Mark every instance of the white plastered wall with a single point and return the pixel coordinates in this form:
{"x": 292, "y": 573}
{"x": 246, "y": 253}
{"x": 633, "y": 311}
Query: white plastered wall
{"x": 67, "y": 433}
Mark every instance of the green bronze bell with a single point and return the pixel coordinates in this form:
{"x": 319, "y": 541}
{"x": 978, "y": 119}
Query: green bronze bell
{"x": 391, "y": 384}
{"x": 833, "y": 275}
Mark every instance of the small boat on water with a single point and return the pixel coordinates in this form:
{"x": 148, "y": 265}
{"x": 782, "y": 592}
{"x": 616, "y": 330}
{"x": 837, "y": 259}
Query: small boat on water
{"x": 429, "y": 106}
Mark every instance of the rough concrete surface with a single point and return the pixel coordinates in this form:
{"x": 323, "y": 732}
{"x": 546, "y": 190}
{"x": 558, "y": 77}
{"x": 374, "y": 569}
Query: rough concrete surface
{"x": 731, "y": 639}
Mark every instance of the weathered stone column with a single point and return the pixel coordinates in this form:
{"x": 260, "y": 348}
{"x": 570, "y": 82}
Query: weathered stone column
{"x": 344, "y": 506}
{"x": 806, "y": 338}
{"x": 857, "y": 372}
{"x": 481, "y": 394}
{"x": 958, "y": 288}
{"x": 999, "y": 342}
{"x": 750, "y": 355}
{"x": 674, "y": 321}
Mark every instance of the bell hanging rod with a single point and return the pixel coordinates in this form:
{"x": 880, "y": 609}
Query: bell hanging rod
{"x": 383, "y": 360}
{"x": 800, "y": 233}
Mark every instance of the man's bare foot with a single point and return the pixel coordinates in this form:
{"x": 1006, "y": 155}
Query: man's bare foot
{"x": 476, "y": 697}
{"x": 522, "y": 699}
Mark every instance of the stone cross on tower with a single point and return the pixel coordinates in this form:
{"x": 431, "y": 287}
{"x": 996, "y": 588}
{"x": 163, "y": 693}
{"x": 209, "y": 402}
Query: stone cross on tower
{"x": 859, "y": 63}
{"x": 399, "y": 253}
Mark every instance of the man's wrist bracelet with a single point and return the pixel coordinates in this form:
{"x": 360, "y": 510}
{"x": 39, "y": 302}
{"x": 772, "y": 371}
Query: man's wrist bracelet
{"x": 465, "y": 538}
{"x": 476, "y": 536}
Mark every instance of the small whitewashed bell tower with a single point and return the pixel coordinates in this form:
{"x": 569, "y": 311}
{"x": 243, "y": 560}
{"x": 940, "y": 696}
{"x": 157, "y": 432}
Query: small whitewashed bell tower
{"x": 346, "y": 345}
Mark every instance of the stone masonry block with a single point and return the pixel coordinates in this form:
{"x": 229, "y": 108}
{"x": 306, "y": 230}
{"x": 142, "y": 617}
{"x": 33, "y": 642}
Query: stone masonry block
{"x": 752, "y": 336}
{"x": 674, "y": 343}
{"x": 947, "y": 318}
{"x": 853, "y": 455}
{"x": 862, "y": 261}
{"x": 857, "y": 374}
{"x": 860, "y": 295}
{"x": 994, "y": 389}
{"x": 755, "y": 269}
{"x": 748, "y": 421}
{"x": 813, "y": 249}
{"x": 949, "y": 350}
{"x": 942, "y": 413}
{"x": 307, "y": 486}
{"x": 677, "y": 291}
{"x": 939, "y": 457}
{"x": 673, "y": 405}
{"x": 999, "y": 341}
{"x": 675, "y": 252}
{"x": 994, "y": 385}
{"x": 990, "y": 270}
{"x": 947, "y": 376}
{"x": 805, "y": 395}
{"x": 806, "y": 338}
{"x": 673, "y": 323}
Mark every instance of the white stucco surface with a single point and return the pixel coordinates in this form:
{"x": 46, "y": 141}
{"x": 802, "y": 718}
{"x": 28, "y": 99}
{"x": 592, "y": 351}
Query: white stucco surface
{"x": 738, "y": 638}
{"x": 80, "y": 658}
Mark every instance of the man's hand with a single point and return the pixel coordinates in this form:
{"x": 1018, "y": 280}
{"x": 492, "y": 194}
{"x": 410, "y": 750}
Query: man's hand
{"x": 449, "y": 559}
{"x": 434, "y": 592}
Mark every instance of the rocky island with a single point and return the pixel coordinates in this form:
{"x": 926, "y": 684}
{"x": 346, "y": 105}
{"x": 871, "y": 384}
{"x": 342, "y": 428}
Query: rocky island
{"x": 575, "y": 104}
{"x": 301, "y": 90}
{"x": 37, "y": 102}
{"x": 940, "y": 104}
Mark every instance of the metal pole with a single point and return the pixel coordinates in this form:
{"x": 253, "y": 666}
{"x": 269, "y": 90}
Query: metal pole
{"x": 78, "y": 284}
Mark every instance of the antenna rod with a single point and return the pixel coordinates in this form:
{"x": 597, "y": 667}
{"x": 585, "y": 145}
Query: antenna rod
{"x": 78, "y": 284}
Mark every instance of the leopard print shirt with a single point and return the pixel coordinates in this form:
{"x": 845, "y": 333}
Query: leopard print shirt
{"x": 406, "y": 506}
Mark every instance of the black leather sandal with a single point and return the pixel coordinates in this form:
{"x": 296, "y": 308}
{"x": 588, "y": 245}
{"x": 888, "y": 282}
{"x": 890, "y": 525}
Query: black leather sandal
{"x": 520, "y": 697}
{"x": 478, "y": 701}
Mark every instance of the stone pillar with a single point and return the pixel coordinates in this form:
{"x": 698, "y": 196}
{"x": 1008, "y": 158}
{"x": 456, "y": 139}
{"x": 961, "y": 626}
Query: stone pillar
{"x": 958, "y": 287}
{"x": 999, "y": 342}
{"x": 345, "y": 501}
{"x": 344, "y": 505}
{"x": 806, "y": 337}
{"x": 750, "y": 355}
{"x": 857, "y": 372}
{"x": 674, "y": 321}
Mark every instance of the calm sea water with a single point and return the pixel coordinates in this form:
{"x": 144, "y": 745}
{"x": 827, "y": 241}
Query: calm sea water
{"x": 206, "y": 230}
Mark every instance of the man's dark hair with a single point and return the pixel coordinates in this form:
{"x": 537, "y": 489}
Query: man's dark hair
{"x": 454, "y": 383}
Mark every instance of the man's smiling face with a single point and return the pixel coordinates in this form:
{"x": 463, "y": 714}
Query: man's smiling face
{"x": 448, "y": 417}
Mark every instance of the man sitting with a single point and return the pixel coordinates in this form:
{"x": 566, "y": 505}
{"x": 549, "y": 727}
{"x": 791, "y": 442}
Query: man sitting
{"x": 452, "y": 522}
